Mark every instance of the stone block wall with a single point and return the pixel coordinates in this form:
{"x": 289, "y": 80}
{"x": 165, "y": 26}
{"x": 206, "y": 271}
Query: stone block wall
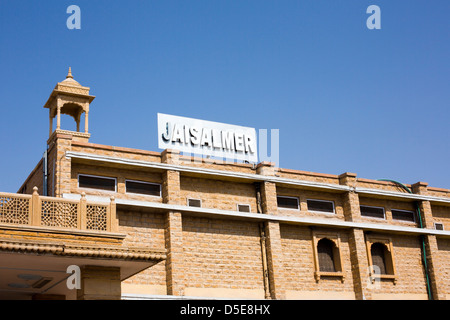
{"x": 210, "y": 255}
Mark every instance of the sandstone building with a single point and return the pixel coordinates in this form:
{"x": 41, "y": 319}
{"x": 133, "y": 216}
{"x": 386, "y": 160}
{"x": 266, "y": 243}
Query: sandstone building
{"x": 155, "y": 225}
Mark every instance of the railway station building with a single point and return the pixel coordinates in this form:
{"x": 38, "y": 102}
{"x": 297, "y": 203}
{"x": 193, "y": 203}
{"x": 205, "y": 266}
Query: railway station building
{"x": 138, "y": 224}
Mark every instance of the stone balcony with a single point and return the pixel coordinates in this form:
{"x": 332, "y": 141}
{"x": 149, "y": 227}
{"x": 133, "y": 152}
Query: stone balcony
{"x": 42, "y": 236}
{"x": 56, "y": 214}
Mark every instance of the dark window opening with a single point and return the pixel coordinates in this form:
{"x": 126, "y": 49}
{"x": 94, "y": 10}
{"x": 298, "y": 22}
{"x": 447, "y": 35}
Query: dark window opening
{"x": 194, "y": 203}
{"x": 322, "y": 206}
{"x": 325, "y": 248}
{"x": 287, "y": 202}
{"x": 374, "y": 212}
{"x": 403, "y": 215}
{"x": 377, "y": 251}
{"x": 100, "y": 183}
{"x": 438, "y": 226}
{"x": 143, "y": 188}
{"x": 243, "y": 208}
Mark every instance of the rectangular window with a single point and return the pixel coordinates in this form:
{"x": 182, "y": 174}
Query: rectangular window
{"x": 147, "y": 188}
{"x": 320, "y": 206}
{"x": 438, "y": 226}
{"x": 287, "y": 202}
{"x": 374, "y": 212}
{"x": 95, "y": 182}
{"x": 403, "y": 215}
{"x": 195, "y": 203}
{"x": 243, "y": 207}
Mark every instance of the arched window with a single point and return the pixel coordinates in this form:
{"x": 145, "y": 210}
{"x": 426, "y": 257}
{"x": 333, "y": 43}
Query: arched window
{"x": 378, "y": 252}
{"x": 327, "y": 255}
{"x": 325, "y": 250}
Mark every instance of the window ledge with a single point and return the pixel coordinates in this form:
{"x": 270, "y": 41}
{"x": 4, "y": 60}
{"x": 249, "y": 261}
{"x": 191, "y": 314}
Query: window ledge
{"x": 392, "y": 277}
{"x": 337, "y": 274}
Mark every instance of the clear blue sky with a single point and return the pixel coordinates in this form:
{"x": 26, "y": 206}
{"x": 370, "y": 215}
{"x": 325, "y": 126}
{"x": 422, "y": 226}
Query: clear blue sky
{"x": 345, "y": 98}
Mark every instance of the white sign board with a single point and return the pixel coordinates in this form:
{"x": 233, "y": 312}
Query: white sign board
{"x": 207, "y": 138}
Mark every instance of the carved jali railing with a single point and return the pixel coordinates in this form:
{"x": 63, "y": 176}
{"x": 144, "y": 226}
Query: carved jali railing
{"x": 35, "y": 210}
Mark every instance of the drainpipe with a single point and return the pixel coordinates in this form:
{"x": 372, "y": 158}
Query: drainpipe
{"x": 422, "y": 238}
{"x": 262, "y": 233}
{"x": 45, "y": 172}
